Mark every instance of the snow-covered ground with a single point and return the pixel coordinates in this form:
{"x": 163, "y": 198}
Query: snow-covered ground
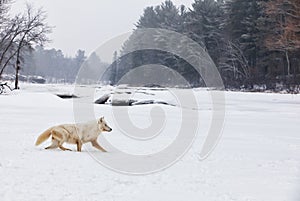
{"x": 257, "y": 158}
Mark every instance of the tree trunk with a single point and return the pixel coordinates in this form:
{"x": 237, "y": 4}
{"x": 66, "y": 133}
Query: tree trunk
{"x": 18, "y": 66}
{"x": 288, "y": 63}
{"x": 17, "y": 74}
{"x": 18, "y": 63}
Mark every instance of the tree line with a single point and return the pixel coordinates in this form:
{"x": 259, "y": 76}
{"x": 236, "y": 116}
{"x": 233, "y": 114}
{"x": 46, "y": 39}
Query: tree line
{"x": 252, "y": 42}
{"x": 53, "y": 65}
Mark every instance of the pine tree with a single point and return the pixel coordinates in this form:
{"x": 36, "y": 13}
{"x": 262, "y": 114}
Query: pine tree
{"x": 204, "y": 25}
{"x": 149, "y": 19}
{"x": 165, "y": 16}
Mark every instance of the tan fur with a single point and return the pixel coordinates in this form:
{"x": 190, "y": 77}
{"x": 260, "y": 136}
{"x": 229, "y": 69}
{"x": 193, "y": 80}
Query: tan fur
{"x": 75, "y": 134}
{"x": 43, "y": 137}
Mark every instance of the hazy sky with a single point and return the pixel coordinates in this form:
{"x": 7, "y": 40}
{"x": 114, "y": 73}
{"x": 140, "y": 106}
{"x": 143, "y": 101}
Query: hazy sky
{"x": 87, "y": 25}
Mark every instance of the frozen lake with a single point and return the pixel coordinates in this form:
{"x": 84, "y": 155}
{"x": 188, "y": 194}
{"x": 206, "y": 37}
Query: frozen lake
{"x": 256, "y": 159}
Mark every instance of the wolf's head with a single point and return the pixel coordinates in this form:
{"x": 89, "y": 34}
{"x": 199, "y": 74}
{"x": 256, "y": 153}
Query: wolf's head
{"x": 102, "y": 125}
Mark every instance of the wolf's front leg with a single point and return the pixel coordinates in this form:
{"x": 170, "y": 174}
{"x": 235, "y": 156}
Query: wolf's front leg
{"x": 96, "y": 145}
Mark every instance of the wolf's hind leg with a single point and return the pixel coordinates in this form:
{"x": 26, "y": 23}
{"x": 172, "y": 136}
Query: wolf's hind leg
{"x": 79, "y": 145}
{"x": 63, "y": 148}
{"x": 60, "y": 139}
{"x": 53, "y": 145}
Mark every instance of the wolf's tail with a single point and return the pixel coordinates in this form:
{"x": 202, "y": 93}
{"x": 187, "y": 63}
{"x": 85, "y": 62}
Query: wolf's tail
{"x": 43, "y": 137}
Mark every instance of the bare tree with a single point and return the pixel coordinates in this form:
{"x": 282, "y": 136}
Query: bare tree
{"x": 11, "y": 29}
{"x": 8, "y": 32}
{"x": 19, "y": 35}
{"x": 34, "y": 32}
{"x": 4, "y": 7}
{"x": 234, "y": 62}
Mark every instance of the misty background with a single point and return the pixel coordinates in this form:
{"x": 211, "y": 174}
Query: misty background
{"x": 254, "y": 44}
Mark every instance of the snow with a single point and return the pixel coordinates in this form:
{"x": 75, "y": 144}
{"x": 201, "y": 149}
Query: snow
{"x": 257, "y": 158}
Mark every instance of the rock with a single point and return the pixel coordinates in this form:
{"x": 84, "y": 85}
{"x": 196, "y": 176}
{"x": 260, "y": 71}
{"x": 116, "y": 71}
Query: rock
{"x": 152, "y": 86}
{"x": 66, "y": 96}
{"x": 103, "y": 99}
{"x": 146, "y": 102}
{"x": 123, "y": 102}
{"x": 37, "y": 79}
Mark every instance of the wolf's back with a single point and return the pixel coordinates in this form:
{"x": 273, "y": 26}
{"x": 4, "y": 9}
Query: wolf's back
{"x": 43, "y": 137}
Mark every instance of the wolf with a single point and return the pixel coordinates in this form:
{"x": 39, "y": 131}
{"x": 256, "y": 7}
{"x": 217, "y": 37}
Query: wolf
{"x": 75, "y": 134}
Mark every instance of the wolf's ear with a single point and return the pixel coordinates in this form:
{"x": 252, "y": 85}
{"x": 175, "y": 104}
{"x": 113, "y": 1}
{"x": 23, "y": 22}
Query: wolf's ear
{"x": 101, "y": 120}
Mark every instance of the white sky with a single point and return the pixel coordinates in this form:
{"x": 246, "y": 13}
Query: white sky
{"x": 87, "y": 25}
